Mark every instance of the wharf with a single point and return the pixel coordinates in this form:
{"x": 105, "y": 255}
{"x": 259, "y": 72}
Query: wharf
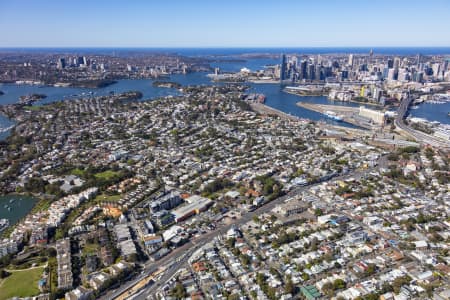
{"x": 264, "y": 109}
{"x": 267, "y": 110}
{"x": 349, "y": 114}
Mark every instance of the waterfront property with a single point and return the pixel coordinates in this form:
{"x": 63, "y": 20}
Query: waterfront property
{"x": 15, "y": 207}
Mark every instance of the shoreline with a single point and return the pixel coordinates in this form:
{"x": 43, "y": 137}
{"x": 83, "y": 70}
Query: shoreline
{"x": 304, "y": 95}
{"x": 267, "y": 110}
{"x": 326, "y": 95}
{"x": 362, "y": 103}
{"x": 264, "y": 81}
{"x": 319, "y": 109}
{"x": 34, "y": 198}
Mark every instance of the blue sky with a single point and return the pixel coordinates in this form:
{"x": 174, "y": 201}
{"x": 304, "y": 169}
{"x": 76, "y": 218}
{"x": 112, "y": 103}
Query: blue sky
{"x": 224, "y": 23}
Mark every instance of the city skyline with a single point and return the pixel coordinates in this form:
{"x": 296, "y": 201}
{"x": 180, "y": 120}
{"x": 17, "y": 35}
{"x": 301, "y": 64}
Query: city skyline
{"x": 232, "y": 150}
{"x": 232, "y": 24}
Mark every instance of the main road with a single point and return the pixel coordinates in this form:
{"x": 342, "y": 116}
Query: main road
{"x": 179, "y": 256}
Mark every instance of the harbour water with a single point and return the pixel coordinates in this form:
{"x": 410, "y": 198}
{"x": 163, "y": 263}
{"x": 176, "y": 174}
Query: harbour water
{"x": 15, "y": 207}
{"x": 274, "y": 95}
{"x": 275, "y": 98}
{"x": 433, "y": 112}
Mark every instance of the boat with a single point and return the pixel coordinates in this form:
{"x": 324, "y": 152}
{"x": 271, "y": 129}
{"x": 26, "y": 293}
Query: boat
{"x": 332, "y": 115}
{"x": 4, "y": 223}
{"x": 254, "y": 97}
{"x": 6, "y": 129}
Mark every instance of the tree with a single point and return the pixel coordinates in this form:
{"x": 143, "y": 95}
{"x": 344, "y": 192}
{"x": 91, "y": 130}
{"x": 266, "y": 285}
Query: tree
{"x": 50, "y": 252}
{"x": 327, "y": 289}
{"x": 386, "y": 287}
{"x": 178, "y": 291}
{"x": 271, "y": 293}
{"x": 233, "y": 297}
{"x": 245, "y": 259}
{"x": 260, "y": 279}
{"x": 35, "y": 185}
{"x": 399, "y": 282}
{"x": 338, "y": 284}
{"x": 231, "y": 242}
{"x": 289, "y": 287}
{"x": 429, "y": 153}
{"x": 314, "y": 244}
{"x": 3, "y": 274}
{"x": 370, "y": 270}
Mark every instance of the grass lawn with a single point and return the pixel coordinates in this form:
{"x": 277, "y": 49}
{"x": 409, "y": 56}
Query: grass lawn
{"x": 107, "y": 198}
{"x": 33, "y": 108}
{"x": 43, "y": 204}
{"x": 78, "y": 172}
{"x": 107, "y": 175}
{"x": 21, "y": 283}
{"x": 90, "y": 249}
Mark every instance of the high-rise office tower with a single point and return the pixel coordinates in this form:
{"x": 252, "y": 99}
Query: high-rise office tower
{"x": 397, "y": 62}
{"x": 319, "y": 73}
{"x": 418, "y": 59}
{"x": 390, "y": 63}
{"x": 303, "y": 72}
{"x": 350, "y": 60}
{"x": 284, "y": 67}
{"x": 311, "y": 70}
{"x": 319, "y": 59}
{"x": 80, "y": 61}
{"x": 294, "y": 61}
{"x": 445, "y": 65}
{"x": 436, "y": 69}
{"x": 61, "y": 64}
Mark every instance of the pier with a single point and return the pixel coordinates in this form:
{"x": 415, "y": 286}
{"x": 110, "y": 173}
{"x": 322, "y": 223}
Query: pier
{"x": 349, "y": 114}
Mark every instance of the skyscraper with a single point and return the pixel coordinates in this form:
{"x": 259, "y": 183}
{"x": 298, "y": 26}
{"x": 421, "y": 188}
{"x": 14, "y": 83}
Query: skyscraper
{"x": 419, "y": 59}
{"x": 397, "y": 62}
{"x": 61, "y": 64}
{"x": 283, "y": 72}
{"x": 390, "y": 63}
{"x": 303, "y": 72}
{"x": 80, "y": 60}
{"x": 350, "y": 60}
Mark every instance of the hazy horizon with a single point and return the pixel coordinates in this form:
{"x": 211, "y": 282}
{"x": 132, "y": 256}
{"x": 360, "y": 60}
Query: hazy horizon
{"x": 230, "y": 24}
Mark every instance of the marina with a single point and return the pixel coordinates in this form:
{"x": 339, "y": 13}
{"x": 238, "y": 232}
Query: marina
{"x": 15, "y": 207}
{"x": 4, "y": 223}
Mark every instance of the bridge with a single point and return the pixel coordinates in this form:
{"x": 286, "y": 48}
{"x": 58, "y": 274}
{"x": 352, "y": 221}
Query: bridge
{"x": 421, "y": 137}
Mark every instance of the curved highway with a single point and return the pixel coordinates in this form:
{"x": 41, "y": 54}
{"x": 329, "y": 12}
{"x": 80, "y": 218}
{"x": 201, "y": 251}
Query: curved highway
{"x": 421, "y": 137}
